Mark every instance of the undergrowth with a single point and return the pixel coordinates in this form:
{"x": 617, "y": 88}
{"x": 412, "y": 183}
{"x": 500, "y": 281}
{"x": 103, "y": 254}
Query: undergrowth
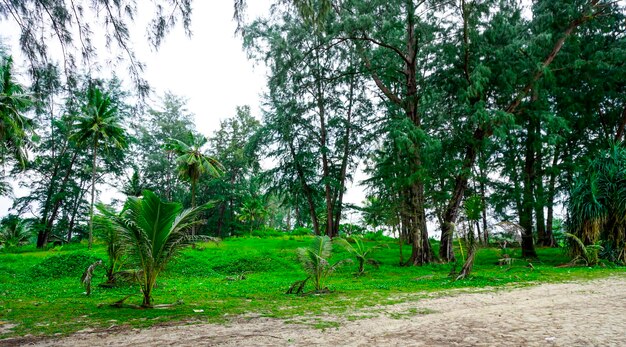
{"x": 41, "y": 293}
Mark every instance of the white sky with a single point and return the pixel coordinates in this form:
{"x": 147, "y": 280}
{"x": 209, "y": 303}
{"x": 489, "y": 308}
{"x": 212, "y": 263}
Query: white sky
{"x": 210, "y": 69}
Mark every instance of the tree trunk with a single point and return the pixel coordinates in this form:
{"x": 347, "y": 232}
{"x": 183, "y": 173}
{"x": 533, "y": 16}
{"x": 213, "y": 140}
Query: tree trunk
{"x": 551, "y": 196}
{"x": 93, "y": 189}
{"x": 193, "y": 205}
{"x": 542, "y": 238}
{"x": 483, "y": 179}
{"x": 220, "y": 220}
{"x": 528, "y": 177}
{"x": 306, "y": 189}
{"x": 620, "y": 128}
{"x": 451, "y": 212}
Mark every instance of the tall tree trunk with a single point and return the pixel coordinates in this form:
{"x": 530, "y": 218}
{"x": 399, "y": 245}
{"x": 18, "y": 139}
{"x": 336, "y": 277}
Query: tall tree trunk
{"x": 343, "y": 171}
{"x": 193, "y": 205}
{"x": 483, "y": 199}
{"x": 306, "y": 189}
{"x": 542, "y": 238}
{"x": 93, "y": 189}
{"x": 75, "y": 206}
{"x": 220, "y": 220}
{"x": 551, "y": 196}
{"x": 328, "y": 195}
{"x": 44, "y": 232}
{"x": 620, "y": 128}
{"x": 451, "y": 212}
{"x": 528, "y": 177}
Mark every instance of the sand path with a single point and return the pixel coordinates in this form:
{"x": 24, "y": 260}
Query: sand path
{"x": 568, "y": 314}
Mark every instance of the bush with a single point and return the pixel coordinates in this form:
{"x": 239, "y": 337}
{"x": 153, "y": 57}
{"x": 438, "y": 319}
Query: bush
{"x": 267, "y": 232}
{"x": 301, "y": 231}
{"x": 377, "y": 236}
{"x": 351, "y": 229}
{"x": 233, "y": 263}
{"x": 64, "y": 265}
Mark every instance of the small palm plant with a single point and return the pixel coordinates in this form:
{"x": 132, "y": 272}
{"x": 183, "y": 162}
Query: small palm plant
{"x": 109, "y": 233}
{"x": 14, "y": 232}
{"x": 361, "y": 252}
{"x": 315, "y": 260}
{"x": 154, "y": 232}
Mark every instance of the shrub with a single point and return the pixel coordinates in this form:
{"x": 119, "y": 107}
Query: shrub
{"x": 301, "y": 231}
{"x": 377, "y": 236}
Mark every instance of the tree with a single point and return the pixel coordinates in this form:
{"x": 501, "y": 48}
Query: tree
{"x": 170, "y": 119}
{"x": 14, "y": 126}
{"x": 68, "y": 26}
{"x": 193, "y": 163}
{"x": 154, "y": 232}
{"x": 315, "y": 125}
{"x": 233, "y": 145}
{"x": 252, "y": 212}
{"x": 99, "y": 126}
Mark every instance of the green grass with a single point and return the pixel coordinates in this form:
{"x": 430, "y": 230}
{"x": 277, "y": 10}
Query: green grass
{"x": 40, "y": 290}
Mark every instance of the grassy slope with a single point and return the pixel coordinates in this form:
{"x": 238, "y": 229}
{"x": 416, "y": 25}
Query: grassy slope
{"x": 43, "y": 295}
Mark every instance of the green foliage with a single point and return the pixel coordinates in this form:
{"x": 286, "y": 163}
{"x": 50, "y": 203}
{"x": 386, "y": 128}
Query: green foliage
{"x": 597, "y": 203}
{"x": 116, "y": 248}
{"x": 377, "y": 236}
{"x": 63, "y": 265}
{"x": 14, "y": 232}
{"x": 361, "y": 251}
{"x": 347, "y": 229}
{"x": 14, "y": 126}
{"x": 267, "y": 232}
{"x": 45, "y": 305}
{"x": 473, "y": 207}
{"x": 315, "y": 260}
{"x": 588, "y": 253}
{"x": 301, "y": 231}
{"x": 154, "y": 232}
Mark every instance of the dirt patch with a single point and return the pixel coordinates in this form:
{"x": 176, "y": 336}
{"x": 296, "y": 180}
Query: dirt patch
{"x": 569, "y": 314}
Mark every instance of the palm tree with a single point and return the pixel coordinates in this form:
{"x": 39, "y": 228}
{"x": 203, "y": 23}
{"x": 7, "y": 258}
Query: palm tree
{"x": 361, "y": 252}
{"x": 252, "y": 212}
{"x": 99, "y": 126}
{"x": 315, "y": 260}
{"x": 193, "y": 162}
{"x": 13, "y": 125}
{"x": 153, "y": 232}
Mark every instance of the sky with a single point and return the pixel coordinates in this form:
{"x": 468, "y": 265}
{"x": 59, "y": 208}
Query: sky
{"x": 210, "y": 69}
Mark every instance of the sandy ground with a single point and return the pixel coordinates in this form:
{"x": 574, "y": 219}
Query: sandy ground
{"x": 569, "y": 314}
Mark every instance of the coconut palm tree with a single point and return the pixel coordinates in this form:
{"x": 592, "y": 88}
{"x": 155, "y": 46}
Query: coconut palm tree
{"x": 99, "y": 126}
{"x": 252, "y": 212}
{"x": 192, "y": 162}
{"x": 14, "y": 126}
{"x": 153, "y": 232}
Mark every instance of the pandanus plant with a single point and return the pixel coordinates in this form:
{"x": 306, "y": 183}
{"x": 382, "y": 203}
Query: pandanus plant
{"x": 597, "y": 205}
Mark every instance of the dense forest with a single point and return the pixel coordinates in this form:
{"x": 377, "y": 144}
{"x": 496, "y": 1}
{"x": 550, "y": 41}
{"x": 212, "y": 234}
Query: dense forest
{"x": 465, "y": 114}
